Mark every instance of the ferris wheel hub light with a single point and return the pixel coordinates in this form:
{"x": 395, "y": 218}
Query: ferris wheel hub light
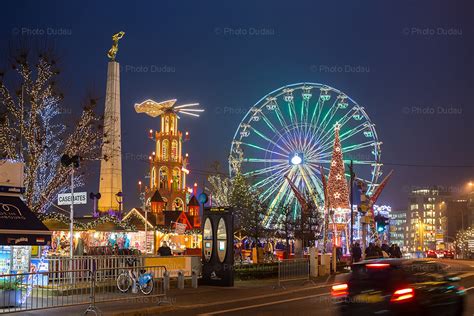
{"x": 296, "y": 159}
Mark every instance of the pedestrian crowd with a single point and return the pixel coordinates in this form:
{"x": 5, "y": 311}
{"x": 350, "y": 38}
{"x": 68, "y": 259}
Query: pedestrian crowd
{"x": 374, "y": 251}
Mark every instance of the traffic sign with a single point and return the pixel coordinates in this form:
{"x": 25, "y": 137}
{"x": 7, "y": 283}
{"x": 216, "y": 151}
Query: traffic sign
{"x": 79, "y": 198}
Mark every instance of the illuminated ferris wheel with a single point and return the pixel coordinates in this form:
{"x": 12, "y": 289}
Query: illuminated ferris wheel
{"x": 290, "y": 131}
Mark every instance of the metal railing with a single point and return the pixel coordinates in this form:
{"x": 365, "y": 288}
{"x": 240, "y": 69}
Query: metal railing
{"x": 107, "y": 264}
{"x": 34, "y": 291}
{"x": 293, "y": 270}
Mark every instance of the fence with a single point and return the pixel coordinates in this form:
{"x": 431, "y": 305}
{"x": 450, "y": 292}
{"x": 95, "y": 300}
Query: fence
{"x": 293, "y": 270}
{"x": 112, "y": 264}
{"x": 34, "y": 291}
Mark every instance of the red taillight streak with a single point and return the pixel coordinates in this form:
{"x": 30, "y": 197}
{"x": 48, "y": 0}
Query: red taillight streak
{"x": 402, "y": 295}
{"x": 339, "y": 290}
{"x": 377, "y": 265}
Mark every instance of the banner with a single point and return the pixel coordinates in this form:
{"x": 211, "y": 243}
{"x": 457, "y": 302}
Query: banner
{"x": 180, "y": 228}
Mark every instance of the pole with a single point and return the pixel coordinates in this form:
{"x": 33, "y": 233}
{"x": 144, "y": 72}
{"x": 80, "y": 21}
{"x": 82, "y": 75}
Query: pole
{"x": 351, "y": 166}
{"x": 146, "y": 224}
{"x": 71, "y": 216}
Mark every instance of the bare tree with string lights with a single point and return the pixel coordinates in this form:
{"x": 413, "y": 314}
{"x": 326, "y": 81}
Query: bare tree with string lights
{"x": 33, "y": 131}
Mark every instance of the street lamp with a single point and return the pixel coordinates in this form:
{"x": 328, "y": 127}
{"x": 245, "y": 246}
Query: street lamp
{"x": 119, "y": 199}
{"x": 95, "y": 198}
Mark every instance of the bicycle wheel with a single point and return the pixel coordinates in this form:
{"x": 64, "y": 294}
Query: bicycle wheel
{"x": 124, "y": 282}
{"x": 147, "y": 288}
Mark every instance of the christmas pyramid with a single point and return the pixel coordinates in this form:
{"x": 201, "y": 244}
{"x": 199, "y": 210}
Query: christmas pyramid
{"x": 338, "y": 191}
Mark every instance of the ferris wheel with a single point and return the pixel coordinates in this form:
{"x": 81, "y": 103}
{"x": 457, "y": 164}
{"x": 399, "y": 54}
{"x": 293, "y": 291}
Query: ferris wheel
{"x": 290, "y": 132}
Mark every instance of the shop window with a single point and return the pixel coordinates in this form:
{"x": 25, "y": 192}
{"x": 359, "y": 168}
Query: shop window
{"x": 176, "y": 179}
{"x": 174, "y": 150}
{"x": 158, "y": 149}
{"x": 163, "y": 178}
{"x": 167, "y": 124}
{"x": 165, "y": 150}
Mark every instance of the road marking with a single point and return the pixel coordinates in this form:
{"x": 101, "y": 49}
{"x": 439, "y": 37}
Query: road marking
{"x": 262, "y": 305}
{"x": 243, "y": 299}
{"x": 469, "y": 288}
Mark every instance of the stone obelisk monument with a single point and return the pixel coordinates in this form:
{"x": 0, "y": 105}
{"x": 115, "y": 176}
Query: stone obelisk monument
{"x": 110, "y": 186}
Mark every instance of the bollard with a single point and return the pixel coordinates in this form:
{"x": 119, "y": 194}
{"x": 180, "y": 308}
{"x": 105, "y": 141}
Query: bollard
{"x": 194, "y": 280}
{"x": 180, "y": 280}
{"x": 166, "y": 280}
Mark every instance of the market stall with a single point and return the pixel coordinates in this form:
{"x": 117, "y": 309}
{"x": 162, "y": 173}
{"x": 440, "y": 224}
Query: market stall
{"x": 21, "y": 236}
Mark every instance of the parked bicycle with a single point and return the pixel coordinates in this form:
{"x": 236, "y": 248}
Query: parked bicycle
{"x": 127, "y": 279}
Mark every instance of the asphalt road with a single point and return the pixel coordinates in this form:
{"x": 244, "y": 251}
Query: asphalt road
{"x": 312, "y": 301}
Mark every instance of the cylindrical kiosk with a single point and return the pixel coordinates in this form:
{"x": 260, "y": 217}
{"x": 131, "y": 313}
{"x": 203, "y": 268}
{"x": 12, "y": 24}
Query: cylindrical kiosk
{"x": 217, "y": 248}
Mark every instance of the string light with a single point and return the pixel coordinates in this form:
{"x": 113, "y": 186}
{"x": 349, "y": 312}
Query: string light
{"x": 31, "y": 133}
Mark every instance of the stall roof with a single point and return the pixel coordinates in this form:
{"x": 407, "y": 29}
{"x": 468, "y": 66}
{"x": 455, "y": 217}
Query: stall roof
{"x": 136, "y": 216}
{"x": 19, "y": 225}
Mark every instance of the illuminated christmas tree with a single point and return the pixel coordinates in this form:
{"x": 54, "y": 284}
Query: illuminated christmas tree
{"x": 338, "y": 191}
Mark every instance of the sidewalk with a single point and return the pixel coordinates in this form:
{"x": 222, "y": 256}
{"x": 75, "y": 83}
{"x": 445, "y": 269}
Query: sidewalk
{"x": 203, "y": 296}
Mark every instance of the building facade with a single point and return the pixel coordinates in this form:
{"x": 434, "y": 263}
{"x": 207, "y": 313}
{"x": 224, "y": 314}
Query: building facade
{"x": 399, "y": 228}
{"x": 426, "y": 219}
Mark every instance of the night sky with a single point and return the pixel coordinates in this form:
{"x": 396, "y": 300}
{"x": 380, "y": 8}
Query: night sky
{"x": 408, "y": 63}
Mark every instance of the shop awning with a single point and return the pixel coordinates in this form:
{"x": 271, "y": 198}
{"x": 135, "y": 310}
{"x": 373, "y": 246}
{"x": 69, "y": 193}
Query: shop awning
{"x": 19, "y": 225}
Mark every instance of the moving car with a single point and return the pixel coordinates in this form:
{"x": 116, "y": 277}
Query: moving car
{"x": 433, "y": 254}
{"x": 448, "y": 254}
{"x": 399, "y": 287}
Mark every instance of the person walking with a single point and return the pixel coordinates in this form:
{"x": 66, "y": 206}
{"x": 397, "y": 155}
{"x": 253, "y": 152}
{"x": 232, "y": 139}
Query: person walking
{"x": 356, "y": 252}
{"x": 398, "y": 252}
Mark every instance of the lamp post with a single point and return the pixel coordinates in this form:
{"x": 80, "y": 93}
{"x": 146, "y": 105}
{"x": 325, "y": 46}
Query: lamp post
{"x": 143, "y": 200}
{"x": 73, "y": 162}
{"x": 351, "y": 170}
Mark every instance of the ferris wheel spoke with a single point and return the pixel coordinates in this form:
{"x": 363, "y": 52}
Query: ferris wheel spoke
{"x": 344, "y": 136}
{"x": 358, "y": 146}
{"x": 312, "y": 161}
{"x": 324, "y": 121}
{"x": 263, "y": 149}
{"x": 309, "y": 184}
{"x": 292, "y": 111}
{"x": 277, "y": 198}
{"x": 291, "y": 136}
{"x": 277, "y": 132}
{"x": 317, "y": 112}
{"x": 280, "y": 116}
{"x": 304, "y": 120}
{"x": 315, "y": 182}
{"x": 347, "y": 149}
{"x": 265, "y": 170}
{"x": 269, "y": 140}
{"x": 273, "y": 187}
{"x": 328, "y": 117}
{"x": 322, "y": 137}
{"x": 266, "y": 160}
{"x": 278, "y": 173}
{"x": 304, "y": 110}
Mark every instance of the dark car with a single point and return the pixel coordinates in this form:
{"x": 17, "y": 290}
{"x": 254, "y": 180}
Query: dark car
{"x": 399, "y": 287}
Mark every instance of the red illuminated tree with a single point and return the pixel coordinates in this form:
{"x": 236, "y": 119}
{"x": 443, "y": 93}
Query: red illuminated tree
{"x": 338, "y": 191}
